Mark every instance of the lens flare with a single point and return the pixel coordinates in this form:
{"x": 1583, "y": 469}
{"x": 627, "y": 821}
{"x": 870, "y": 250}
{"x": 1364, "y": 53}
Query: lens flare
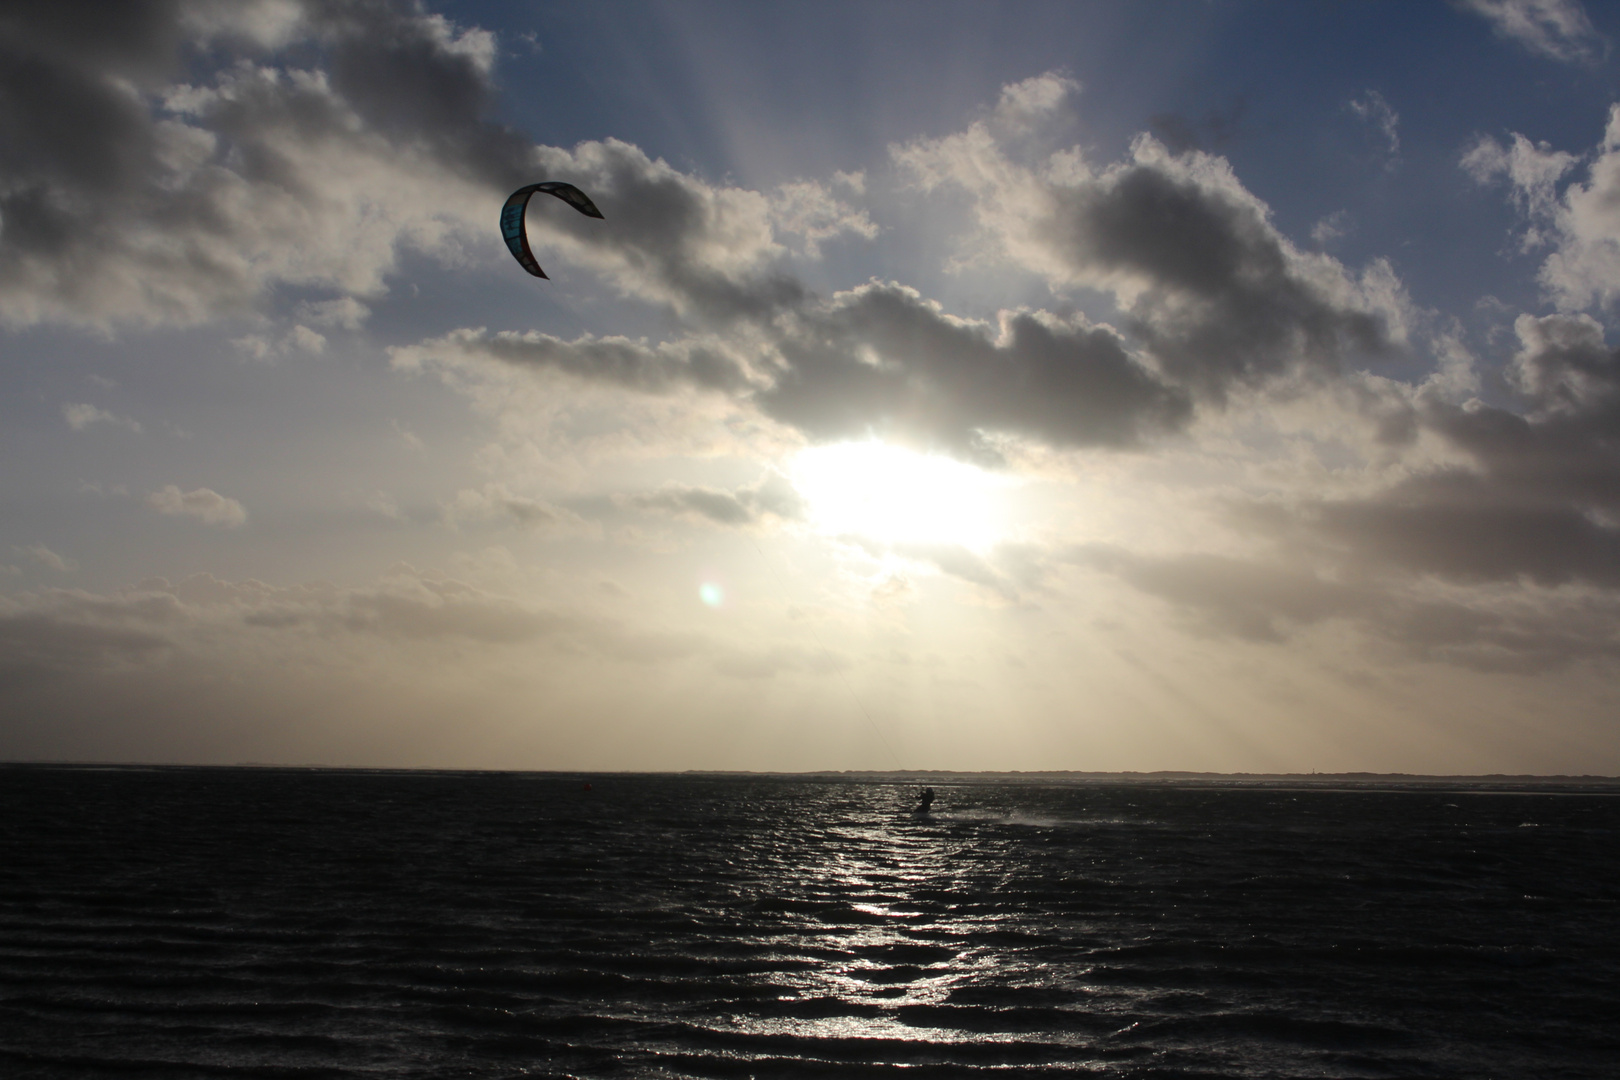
{"x": 711, "y": 594}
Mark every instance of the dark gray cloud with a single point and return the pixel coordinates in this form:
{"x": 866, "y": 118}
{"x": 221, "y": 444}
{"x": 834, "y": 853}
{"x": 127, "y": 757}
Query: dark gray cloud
{"x": 1236, "y": 597}
{"x": 1223, "y": 298}
{"x": 1212, "y": 292}
{"x": 708, "y": 251}
{"x": 157, "y": 165}
{"x": 1537, "y": 499}
{"x": 882, "y": 360}
{"x": 1461, "y": 527}
{"x": 1210, "y": 132}
{"x": 1270, "y": 602}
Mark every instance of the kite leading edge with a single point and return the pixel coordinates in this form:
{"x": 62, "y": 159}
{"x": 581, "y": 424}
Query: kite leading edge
{"x": 512, "y": 218}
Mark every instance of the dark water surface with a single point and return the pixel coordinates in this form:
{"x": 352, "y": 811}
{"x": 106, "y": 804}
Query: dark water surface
{"x": 290, "y": 923}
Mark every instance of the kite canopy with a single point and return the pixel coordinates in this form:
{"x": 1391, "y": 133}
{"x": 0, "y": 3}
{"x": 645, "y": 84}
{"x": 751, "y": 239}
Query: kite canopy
{"x": 512, "y": 218}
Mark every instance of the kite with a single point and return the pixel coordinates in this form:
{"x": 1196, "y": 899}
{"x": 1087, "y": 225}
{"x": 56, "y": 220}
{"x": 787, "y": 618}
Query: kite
{"x": 512, "y": 216}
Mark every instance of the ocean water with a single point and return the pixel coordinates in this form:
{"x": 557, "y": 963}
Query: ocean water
{"x": 302, "y": 923}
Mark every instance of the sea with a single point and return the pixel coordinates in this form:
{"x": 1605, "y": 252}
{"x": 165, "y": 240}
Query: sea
{"x": 261, "y": 922}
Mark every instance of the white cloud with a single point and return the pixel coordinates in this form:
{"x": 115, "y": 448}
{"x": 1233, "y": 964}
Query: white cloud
{"x": 1334, "y": 226}
{"x": 80, "y": 416}
{"x": 1555, "y": 29}
{"x": 1372, "y": 108}
{"x": 1532, "y": 171}
{"x": 204, "y": 504}
{"x": 809, "y": 210}
{"x": 1582, "y": 225}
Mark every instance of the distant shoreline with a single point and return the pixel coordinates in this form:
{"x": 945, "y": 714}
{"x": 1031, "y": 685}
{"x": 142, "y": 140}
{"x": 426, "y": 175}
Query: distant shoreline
{"x": 940, "y": 776}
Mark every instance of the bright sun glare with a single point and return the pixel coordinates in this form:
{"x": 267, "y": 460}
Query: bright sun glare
{"x": 898, "y": 496}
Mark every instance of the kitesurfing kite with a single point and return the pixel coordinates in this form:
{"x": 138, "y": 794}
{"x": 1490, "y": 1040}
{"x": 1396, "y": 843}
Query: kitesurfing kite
{"x": 512, "y": 217}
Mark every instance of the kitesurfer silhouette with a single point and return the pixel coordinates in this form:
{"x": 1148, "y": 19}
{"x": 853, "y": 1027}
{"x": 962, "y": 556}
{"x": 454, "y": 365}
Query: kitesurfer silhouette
{"x": 925, "y": 800}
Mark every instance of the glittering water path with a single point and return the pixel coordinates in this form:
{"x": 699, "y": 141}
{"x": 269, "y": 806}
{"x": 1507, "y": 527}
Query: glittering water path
{"x": 300, "y": 923}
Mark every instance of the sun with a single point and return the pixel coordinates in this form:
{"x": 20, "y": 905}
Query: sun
{"x": 898, "y": 496}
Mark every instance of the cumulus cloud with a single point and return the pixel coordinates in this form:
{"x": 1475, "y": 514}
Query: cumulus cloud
{"x": 879, "y": 359}
{"x": 1584, "y": 268}
{"x": 1581, "y": 224}
{"x": 204, "y": 504}
{"x": 128, "y": 195}
{"x": 80, "y": 416}
{"x": 1214, "y": 297}
{"x": 1217, "y": 296}
{"x": 1555, "y": 29}
{"x": 1517, "y": 541}
{"x": 1532, "y": 171}
{"x": 809, "y": 209}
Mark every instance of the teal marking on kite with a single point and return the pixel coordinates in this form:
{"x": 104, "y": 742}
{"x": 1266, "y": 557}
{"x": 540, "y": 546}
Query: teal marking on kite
{"x": 513, "y": 229}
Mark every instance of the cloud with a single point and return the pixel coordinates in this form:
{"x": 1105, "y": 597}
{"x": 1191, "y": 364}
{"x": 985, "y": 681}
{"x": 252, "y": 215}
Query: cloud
{"x": 652, "y": 369}
{"x": 324, "y": 651}
{"x": 299, "y": 339}
{"x": 959, "y": 562}
{"x": 204, "y": 504}
{"x": 1253, "y": 601}
{"x": 764, "y": 664}
{"x": 880, "y": 359}
{"x": 1372, "y": 108}
{"x": 1555, "y": 29}
{"x": 1581, "y": 225}
{"x": 80, "y": 416}
{"x": 1532, "y": 171}
{"x": 1270, "y": 603}
{"x": 876, "y": 359}
{"x": 1334, "y": 226}
{"x": 494, "y": 501}
{"x": 772, "y": 496}
{"x": 1584, "y": 267}
{"x": 708, "y": 252}
{"x": 808, "y": 209}
{"x": 345, "y": 313}
{"x": 1564, "y": 366}
{"x": 47, "y": 558}
{"x": 129, "y": 196}
{"x": 1215, "y": 294}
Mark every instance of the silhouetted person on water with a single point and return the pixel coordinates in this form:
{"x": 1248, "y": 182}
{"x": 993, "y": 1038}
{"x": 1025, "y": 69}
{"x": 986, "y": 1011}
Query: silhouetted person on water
{"x": 925, "y": 800}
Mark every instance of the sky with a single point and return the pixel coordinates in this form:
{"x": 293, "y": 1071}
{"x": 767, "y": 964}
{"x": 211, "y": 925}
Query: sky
{"x": 1094, "y": 386}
